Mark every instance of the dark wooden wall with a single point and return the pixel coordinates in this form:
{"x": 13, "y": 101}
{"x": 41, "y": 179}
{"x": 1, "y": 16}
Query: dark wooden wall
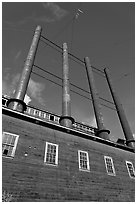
{"x": 29, "y": 179}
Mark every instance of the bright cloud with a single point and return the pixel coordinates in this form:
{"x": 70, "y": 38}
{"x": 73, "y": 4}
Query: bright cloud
{"x": 113, "y": 138}
{"x": 27, "y": 99}
{"x": 56, "y": 10}
{"x": 90, "y": 121}
{"x": 34, "y": 91}
{"x": 9, "y": 83}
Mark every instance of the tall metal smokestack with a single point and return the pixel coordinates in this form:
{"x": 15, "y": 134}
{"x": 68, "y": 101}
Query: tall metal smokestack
{"x": 66, "y": 119}
{"x": 17, "y": 102}
{"x": 120, "y": 111}
{"x": 103, "y": 132}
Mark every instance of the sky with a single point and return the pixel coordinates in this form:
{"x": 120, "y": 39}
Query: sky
{"x": 103, "y": 31}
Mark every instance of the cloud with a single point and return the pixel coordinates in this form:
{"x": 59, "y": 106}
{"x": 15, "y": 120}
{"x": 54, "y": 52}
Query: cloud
{"x": 5, "y": 88}
{"x": 17, "y": 55}
{"x": 56, "y": 10}
{"x": 89, "y": 121}
{"x": 34, "y": 91}
{"x": 80, "y": 115}
{"x": 40, "y": 19}
{"x": 20, "y": 22}
{"x": 9, "y": 83}
{"x": 27, "y": 99}
{"x": 44, "y": 19}
{"x": 113, "y": 138}
{"x": 53, "y": 13}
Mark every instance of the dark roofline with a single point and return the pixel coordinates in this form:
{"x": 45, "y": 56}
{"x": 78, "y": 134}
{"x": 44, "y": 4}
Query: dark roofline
{"x": 58, "y": 127}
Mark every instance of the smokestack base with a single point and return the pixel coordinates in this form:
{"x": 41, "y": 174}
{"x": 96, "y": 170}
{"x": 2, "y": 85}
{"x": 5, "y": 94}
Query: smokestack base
{"x": 66, "y": 121}
{"x": 131, "y": 143}
{"x": 103, "y": 134}
{"x": 17, "y": 104}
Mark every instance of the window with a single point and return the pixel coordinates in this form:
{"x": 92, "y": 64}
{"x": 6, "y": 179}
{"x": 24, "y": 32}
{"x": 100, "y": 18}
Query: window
{"x": 4, "y": 102}
{"x": 36, "y": 113}
{"x": 9, "y": 143}
{"x": 83, "y": 160}
{"x": 28, "y": 110}
{"x": 31, "y": 111}
{"x": 130, "y": 169}
{"x": 52, "y": 117}
{"x": 51, "y": 154}
{"x": 56, "y": 119}
{"x": 109, "y": 166}
{"x": 47, "y": 116}
{"x": 42, "y": 114}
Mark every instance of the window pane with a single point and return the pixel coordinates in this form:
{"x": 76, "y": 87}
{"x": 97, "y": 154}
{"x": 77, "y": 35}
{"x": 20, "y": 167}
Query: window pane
{"x": 9, "y": 139}
{"x": 10, "y": 151}
{"x": 5, "y": 151}
{"x": 13, "y": 140}
{"x": 4, "y": 138}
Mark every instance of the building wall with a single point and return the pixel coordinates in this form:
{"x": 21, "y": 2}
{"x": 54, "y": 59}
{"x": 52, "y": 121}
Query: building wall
{"x": 28, "y": 178}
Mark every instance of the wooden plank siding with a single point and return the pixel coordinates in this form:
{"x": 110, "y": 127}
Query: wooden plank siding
{"x": 28, "y": 178}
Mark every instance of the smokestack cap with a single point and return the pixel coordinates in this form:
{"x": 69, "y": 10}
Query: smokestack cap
{"x": 38, "y": 28}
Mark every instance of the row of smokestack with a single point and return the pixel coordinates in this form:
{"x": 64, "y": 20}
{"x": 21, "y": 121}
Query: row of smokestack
{"x": 17, "y": 103}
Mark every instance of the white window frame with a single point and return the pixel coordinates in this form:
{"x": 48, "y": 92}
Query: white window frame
{"x": 56, "y": 158}
{"x": 132, "y": 168}
{"x": 56, "y": 119}
{"x": 35, "y": 112}
{"x": 4, "y": 101}
{"x": 32, "y": 110}
{"x": 109, "y": 173}
{"x": 88, "y": 167}
{"x": 42, "y": 113}
{"x": 28, "y": 110}
{"x": 15, "y": 144}
{"x": 47, "y": 116}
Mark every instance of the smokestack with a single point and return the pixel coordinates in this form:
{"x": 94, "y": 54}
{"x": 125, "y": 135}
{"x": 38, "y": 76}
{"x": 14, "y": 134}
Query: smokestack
{"x": 120, "y": 111}
{"x": 102, "y": 132}
{"x": 66, "y": 119}
{"x": 18, "y": 103}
